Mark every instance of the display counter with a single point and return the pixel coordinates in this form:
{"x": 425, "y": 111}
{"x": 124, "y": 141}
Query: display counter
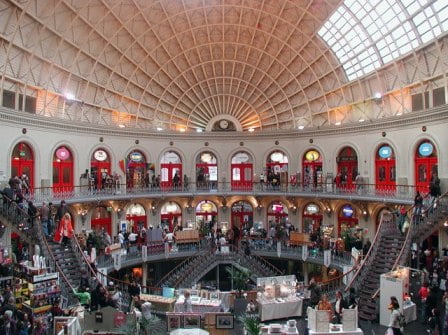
{"x": 337, "y": 329}
{"x": 187, "y": 236}
{"x": 159, "y": 303}
{"x": 279, "y": 308}
{"x": 199, "y": 305}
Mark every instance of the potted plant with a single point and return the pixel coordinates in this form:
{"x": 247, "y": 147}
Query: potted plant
{"x": 251, "y": 323}
{"x": 239, "y": 276}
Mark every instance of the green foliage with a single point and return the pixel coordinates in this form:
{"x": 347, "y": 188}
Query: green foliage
{"x": 251, "y": 323}
{"x": 240, "y": 277}
{"x": 152, "y": 326}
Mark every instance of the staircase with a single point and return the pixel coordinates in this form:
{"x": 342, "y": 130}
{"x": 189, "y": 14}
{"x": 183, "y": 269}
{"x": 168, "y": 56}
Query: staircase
{"x": 193, "y": 269}
{"x": 388, "y": 250}
{"x": 67, "y": 261}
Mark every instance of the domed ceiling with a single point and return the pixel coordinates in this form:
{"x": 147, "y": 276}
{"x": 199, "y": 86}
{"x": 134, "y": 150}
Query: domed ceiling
{"x": 174, "y": 64}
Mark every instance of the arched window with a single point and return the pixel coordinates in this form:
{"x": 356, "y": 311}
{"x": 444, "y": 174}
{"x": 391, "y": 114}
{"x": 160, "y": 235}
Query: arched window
{"x": 22, "y": 164}
{"x": 426, "y": 165}
{"x": 63, "y": 170}
{"x": 242, "y": 171}
{"x": 100, "y": 171}
{"x": 206, "y": 171}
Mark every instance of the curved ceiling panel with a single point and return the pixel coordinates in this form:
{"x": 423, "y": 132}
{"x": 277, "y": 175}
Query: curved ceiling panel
{"x": 175, "y": 64}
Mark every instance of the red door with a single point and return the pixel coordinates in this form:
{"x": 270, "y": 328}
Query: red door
{"x": 385, "y": 175}
{"x": 22, "y": 162}
{"x": 139, "y": 221}
{"x": 99, "y": 224}
{"x": 312, "y": 173}
{"x": 62, "y": 170}
{"x": 242, "y": 177}
{"x": 168, "y": 171}
{"x": 97, "y": 170}
{"x": 348, "y": 171}
{"x": 170, "y": 220}
{"x": 311, "y": 223}
{"x": 424, "y": 168}
{"x": 206, "y": 176}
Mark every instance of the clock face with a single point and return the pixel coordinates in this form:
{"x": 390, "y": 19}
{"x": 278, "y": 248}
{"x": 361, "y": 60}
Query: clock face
{"x": 223, "y": 124}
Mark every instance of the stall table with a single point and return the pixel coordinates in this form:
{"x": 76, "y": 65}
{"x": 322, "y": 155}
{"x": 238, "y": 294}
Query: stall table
{"x": 339, "y": 331}
{"x": 201, "y": 306}
{"x": 410, "y": 312}
{"x": 272, "y": 309}
{"x": 158, "y": 302}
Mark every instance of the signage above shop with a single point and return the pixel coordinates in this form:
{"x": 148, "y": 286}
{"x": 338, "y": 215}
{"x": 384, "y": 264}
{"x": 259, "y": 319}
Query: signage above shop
{"x": 136, "y": 156}
{"x": 385, "y": 151}
{"x": 100, "y": 155}
{"x": 425, "y": 149}
{"x": 62, "y": 153}
{"x": 347, "y": 211}
{"x": 312, "y": 156}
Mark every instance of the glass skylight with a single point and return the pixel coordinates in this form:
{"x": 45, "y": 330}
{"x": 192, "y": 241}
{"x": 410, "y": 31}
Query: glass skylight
{"x": 366, "y": 34}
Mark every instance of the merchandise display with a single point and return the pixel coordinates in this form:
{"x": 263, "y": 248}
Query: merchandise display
{"x": 277, "y": 298}
{"x": 200, "y": 305}
{"x": 159, "y": 302}
{"x": 36, "y": 290}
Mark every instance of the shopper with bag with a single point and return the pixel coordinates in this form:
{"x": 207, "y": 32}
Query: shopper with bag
{"x": 395, "y": 317}
{"x": 65, "y": 230}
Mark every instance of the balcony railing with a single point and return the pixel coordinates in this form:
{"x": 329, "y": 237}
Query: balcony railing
{"x": 397, "y": 193}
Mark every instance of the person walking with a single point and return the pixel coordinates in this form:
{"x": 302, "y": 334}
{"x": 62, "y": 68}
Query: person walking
{"x": 394, "y": 321}
{"x": 65, "y": 231}
{"x": 44, "y": 217}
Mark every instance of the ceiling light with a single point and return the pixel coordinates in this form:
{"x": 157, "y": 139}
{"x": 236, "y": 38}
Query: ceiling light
{"x": 378, "y": 95}
{"x": 159, "y": 128}
{"x": 182, "y": 130}
{"x": 251, "y": 130}
{"x": 69, "y": 96}
{"x": 199, "y": 130}
{"x": 121, "y": 125}
{"x": 301, "y": 127}
{"x": 338, "y": 123}
{"x": 361, "y": 120}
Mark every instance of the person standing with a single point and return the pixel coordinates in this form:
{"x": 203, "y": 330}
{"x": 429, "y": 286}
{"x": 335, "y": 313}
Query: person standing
{"x": 394, "y": 321}
{"x": 44, "y": 217}
{"x": 62, "y": 210}
{"x": 423, "y": 294}
{"x": 339, "y": 306}
{"x": 50, "y": 218}
{"x": 187, "y": 307}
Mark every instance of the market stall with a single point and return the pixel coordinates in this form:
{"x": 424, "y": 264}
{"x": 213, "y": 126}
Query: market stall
{"x": 200, "y": 305}
{"x": 277, "y": 298}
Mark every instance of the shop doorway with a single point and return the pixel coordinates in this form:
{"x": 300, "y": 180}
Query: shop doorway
{"x": 242, "y": 171}
{"x": 242, "y": 215}
{"x": 136, "y": 170}
{"x": 277, "y": 214}
{"x": 385, "y": 171}
{"x": 22, "y": 163}
{"x": 171, "y": 171}
{"x": 102, "y": 219}
{"x": 62, "y": 170}
{"x": 100, "y": 171}
{"x": 277, "y": 169}
{"x": 170, "y": 215}
{"x": 347, "y": 219}
{"x": 312, "y": 218}
{"x": 206, "y": 171}
{"x": 426, "y": 164}
{"x": 136, "y": 217}
{"x": 347, "y": 162}
{"x": 206, "y": 214}
{"x": 312, "y": 169}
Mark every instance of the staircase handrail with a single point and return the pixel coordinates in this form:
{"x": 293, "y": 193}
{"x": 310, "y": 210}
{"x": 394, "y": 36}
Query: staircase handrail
{"x": 367, "y": 260}
{"x": 182, "y": 278}
{"x": 83, "y": 258}
{"x": 178, "y": 266}
{"x": 259, "y": 259}
{"x": 406, "y": 243}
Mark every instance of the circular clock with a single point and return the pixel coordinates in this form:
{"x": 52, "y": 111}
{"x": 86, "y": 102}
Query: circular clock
{"x": 223, "y": 124}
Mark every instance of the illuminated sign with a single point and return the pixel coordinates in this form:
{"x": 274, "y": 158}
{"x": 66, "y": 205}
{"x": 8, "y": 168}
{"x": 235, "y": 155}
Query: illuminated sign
{"x": 385, "y": 152}
{"x": 62, "y": 153}
{"x": 425, "y": 149}
{"x": 100, "y": 155}
{"x": 136, "y": 156}
{"x": 312, "y": 156}
{"x": 347, "y": 211}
